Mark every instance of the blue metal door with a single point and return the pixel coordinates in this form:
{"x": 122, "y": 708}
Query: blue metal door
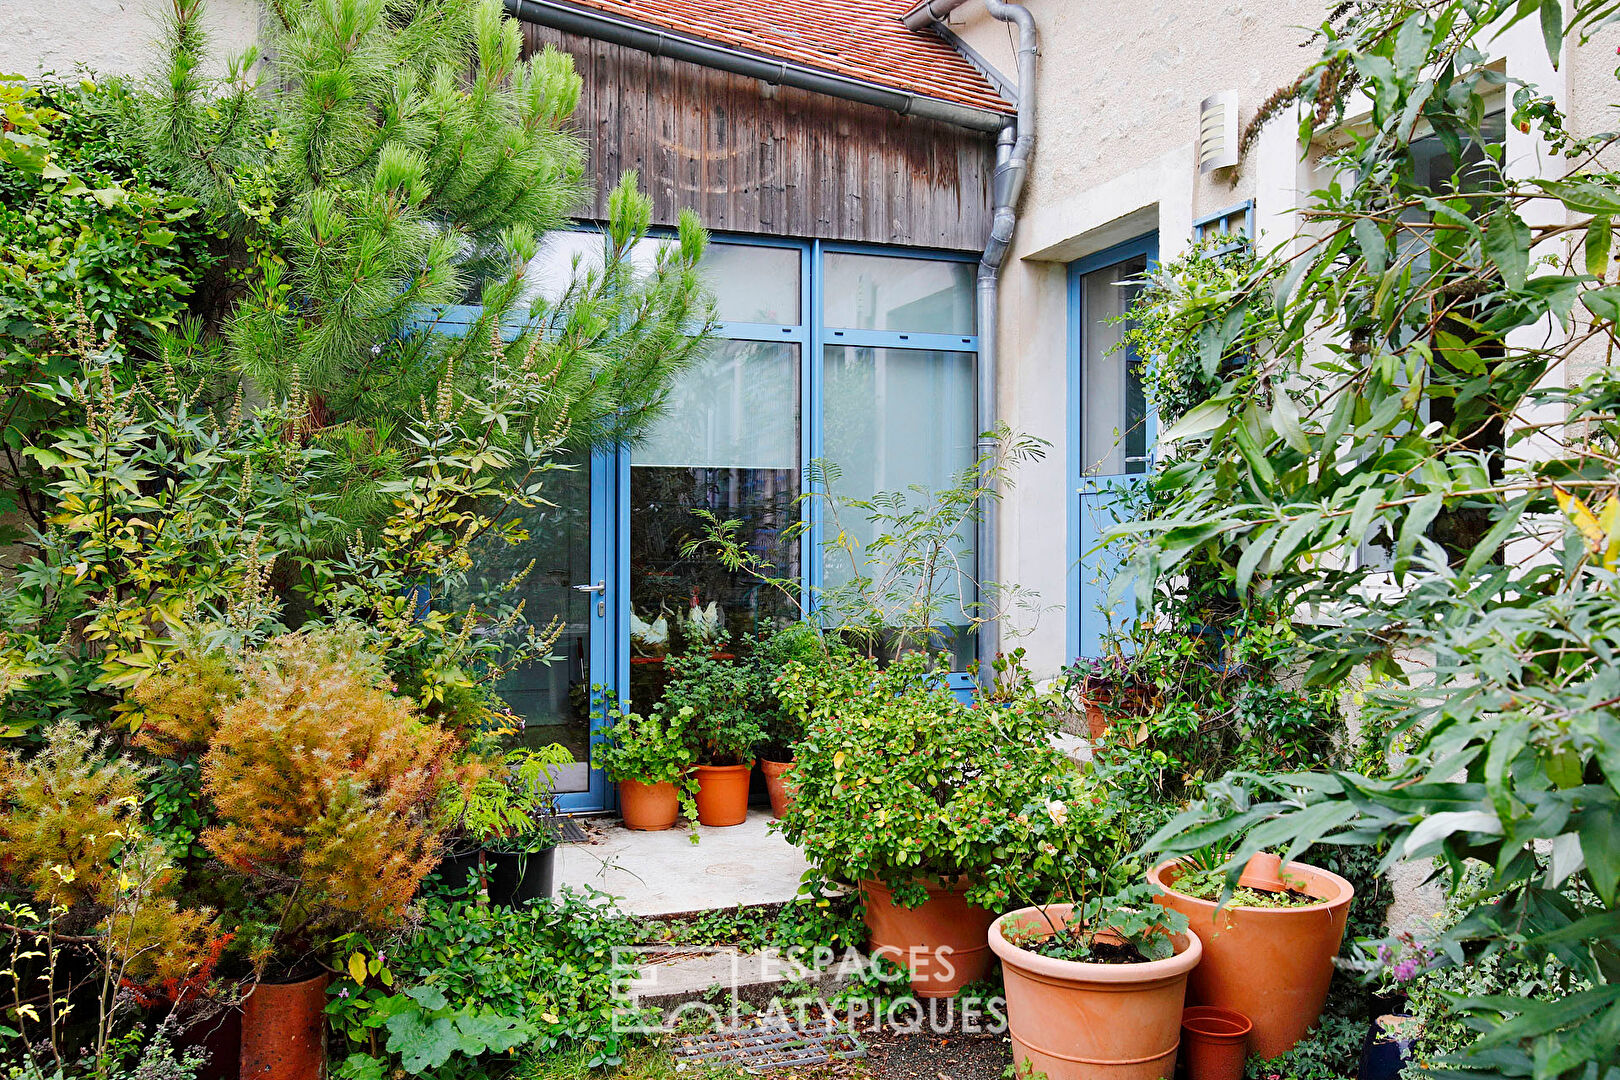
{"x": 1111, "y": 435}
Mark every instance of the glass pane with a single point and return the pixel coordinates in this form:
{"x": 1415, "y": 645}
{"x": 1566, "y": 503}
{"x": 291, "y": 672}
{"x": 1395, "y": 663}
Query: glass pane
{"x": 886, "y": 292}
{"x": 549, "y": 697}
{"x": 738, "y": 407}
{"x": 553, "y": 267}
{"x": 728, "y": 445}
{"x": 1113, "y": 428}
{"x": 753, "y": 284}
{"x": 895, "y": 419}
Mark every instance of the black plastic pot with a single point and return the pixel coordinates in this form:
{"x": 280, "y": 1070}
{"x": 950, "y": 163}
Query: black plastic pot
{"x": 1387, "y": 1048}
{"x": 515, "y": 878}
{"x": 453, "y": 869}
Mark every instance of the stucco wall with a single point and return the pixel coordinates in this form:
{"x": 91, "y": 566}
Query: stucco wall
{"x": 107, "y": 37}
{"x": 1120, "y": 84}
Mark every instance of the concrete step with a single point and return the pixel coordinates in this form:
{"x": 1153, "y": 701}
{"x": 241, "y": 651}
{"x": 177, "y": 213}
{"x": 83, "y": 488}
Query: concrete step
{"x": 671, "y": 976}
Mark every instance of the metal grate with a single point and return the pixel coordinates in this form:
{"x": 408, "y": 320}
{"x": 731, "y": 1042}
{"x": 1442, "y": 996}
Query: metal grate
{"x": 570, "y": 830}
{"x": 773, "y": 1043}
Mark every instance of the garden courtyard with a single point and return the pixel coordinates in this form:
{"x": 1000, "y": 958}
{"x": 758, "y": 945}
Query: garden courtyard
{"x": 556, "y": 540}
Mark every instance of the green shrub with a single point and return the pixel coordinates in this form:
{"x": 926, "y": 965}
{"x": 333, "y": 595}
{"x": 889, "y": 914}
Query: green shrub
{"x": 898, "y": 780}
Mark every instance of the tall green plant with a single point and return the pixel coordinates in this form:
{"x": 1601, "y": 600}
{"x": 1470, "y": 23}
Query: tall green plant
{"x": 1413, "y": 380}
{"x": 398, "y": 158}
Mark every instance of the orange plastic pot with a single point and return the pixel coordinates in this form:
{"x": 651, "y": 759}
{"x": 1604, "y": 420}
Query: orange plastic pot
{"x": 1081, "y": 1021}
{"x": 943, "y": 941}
{"x": 722, "y": 793}
{"x": 1273, "y": 965}
{"x": 648, "y": 807}
{"x": 1214, "y": 1043}
{"x": 778, "y": 784}
{"x": 284, "y": 1030}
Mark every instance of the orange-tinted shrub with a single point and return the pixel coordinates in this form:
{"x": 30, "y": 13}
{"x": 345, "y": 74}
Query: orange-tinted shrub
{"x": 324, "y": 785}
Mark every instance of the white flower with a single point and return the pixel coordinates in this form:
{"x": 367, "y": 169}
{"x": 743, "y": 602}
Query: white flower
{"x": 1058, "y": 812}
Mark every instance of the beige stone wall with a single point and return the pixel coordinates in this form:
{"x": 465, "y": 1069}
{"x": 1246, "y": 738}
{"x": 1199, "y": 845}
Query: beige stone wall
{"x": 107, "y": 37}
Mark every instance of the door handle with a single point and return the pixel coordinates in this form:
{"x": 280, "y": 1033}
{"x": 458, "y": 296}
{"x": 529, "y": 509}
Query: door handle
{"x": 599, "y": 587}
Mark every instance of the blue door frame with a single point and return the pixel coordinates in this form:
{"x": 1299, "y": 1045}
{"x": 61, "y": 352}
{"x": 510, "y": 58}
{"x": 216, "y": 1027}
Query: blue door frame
{"x": 1089, "y": 562}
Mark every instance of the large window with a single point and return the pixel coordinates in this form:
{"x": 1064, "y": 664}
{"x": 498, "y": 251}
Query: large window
{"x": 861, "y": 358}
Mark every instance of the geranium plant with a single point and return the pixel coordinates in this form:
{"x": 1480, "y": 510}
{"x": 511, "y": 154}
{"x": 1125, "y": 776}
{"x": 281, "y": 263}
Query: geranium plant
{"x": 719, "y": 705}
{"x": 900, "y": 782}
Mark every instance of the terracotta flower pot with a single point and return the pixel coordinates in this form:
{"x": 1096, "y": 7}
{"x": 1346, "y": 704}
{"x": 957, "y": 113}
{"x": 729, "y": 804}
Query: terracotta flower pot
{"x": 1214, "y": 1043}
{"x": 943, "y": 941}
{"x": 1273, "y": 965}
{"x": 1083, "y": 1021}
{"x": 1096, "y": 721}
{"x": 648, "y": 807}
{"x": 284, "y": 1030}
{"x": 778, "y": 784}
{"x": 722, "y": 793}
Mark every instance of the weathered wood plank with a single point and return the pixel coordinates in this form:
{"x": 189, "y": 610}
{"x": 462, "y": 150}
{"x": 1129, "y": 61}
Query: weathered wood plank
{"x": 774, "y": 160}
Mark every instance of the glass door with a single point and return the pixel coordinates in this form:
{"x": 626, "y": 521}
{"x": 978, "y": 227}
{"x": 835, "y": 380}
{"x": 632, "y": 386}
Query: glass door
{"x": 570, "y": 580}
{"x": 1110, "y": 434}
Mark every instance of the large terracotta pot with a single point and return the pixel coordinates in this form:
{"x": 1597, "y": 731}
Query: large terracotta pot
{"x": 284, "y": 1030}
{"x": 944, "y": 940}
{"x": 778, "y": 784}
{"x": 1273, "y": 965}
{"x": 722, "y": 793}
{"x": 648, "y": 807}
{"x": 1081, "y": 1021}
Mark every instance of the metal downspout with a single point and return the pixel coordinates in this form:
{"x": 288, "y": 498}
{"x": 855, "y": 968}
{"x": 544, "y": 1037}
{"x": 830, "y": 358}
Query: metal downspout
{"x": 1013, "y": 151}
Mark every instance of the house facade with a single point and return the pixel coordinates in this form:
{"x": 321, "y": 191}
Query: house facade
{"x": 926, "y": 219}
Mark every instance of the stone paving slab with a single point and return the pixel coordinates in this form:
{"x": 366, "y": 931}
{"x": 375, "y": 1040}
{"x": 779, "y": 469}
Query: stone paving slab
{"x": 664, "y": 873}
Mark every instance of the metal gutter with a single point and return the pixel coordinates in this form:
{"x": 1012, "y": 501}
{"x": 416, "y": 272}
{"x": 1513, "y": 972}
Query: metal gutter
{"x": 1013, "y": 151}
{"x": 601, "y": 26}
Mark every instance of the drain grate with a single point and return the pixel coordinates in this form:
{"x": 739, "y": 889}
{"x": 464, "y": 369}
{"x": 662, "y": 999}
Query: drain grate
{"x": 570, "y": 830}
{"x": 773, "y": 1043}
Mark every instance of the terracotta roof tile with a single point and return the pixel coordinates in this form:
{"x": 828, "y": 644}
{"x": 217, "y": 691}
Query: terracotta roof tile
{"x": 864, "y": 41}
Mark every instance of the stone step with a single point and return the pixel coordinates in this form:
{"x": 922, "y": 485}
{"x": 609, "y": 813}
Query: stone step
{"x": 671, "y": 976}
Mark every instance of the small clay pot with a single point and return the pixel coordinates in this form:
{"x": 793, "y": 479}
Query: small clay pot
{"x": 722, "y": 793}
{"x": 944, "y": 941}
{"x": 284, "y": 1030}
{"x": 1263, "y": 871}
{"x": 648, "y": 807}
{"x": 515, "y": 878}
{"x": 1214, "y": 1042}
{"x": 1075, "y": 1020}
{"x": 781, "y": 788}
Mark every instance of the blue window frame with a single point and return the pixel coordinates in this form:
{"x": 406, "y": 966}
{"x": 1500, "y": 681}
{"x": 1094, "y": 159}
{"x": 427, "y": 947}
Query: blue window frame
{"x": 814, "y": 334}
{"x": 1091, "y": 484}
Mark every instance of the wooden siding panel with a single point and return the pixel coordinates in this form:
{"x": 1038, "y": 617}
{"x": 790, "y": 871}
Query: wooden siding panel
{"x": 758, "y": 159}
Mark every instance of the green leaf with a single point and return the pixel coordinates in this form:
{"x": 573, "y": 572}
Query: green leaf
{"x": 1373, "y": 248}
{"x": 1285, "y": 421}
{"x": 1552, "y": 28}
{"x": 1199, "y": 420}
{"x": 1599, "y": 237}
{"x": 421, "y": 1043}
{"x": 1603, "y": 303}
{"x": 1507, "y": 242}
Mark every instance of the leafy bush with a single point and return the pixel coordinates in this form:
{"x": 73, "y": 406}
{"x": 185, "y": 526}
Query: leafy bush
{"x": 469, "y": 978}
{"x": 1485, "y": 617}
{"x": 95, "y": 244}
{"x": 651, "y": 749}
{"x": 898, "y": 781}
{"x": 718, "y": 705}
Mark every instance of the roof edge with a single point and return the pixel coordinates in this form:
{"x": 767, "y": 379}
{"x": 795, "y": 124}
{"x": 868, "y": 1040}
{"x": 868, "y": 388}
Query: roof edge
{"x": 661, "y": 41}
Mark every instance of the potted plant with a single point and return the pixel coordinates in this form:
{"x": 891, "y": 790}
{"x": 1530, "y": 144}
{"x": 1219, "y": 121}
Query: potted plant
{"x": 1106, "y": 689}
{"x": 1269, "y": 940}
{"x": 1096, "y": 989}
{"x": 717, "y": 703}
{"x": 649, "y": 758}
{"x": 802, "y": 642}
{"x": 938, "y": 811}
{"x": 326, "y": 791}
{"x": 509, "y": 813}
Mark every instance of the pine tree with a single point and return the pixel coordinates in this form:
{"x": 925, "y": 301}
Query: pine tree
{"x": 389, "y": 158}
